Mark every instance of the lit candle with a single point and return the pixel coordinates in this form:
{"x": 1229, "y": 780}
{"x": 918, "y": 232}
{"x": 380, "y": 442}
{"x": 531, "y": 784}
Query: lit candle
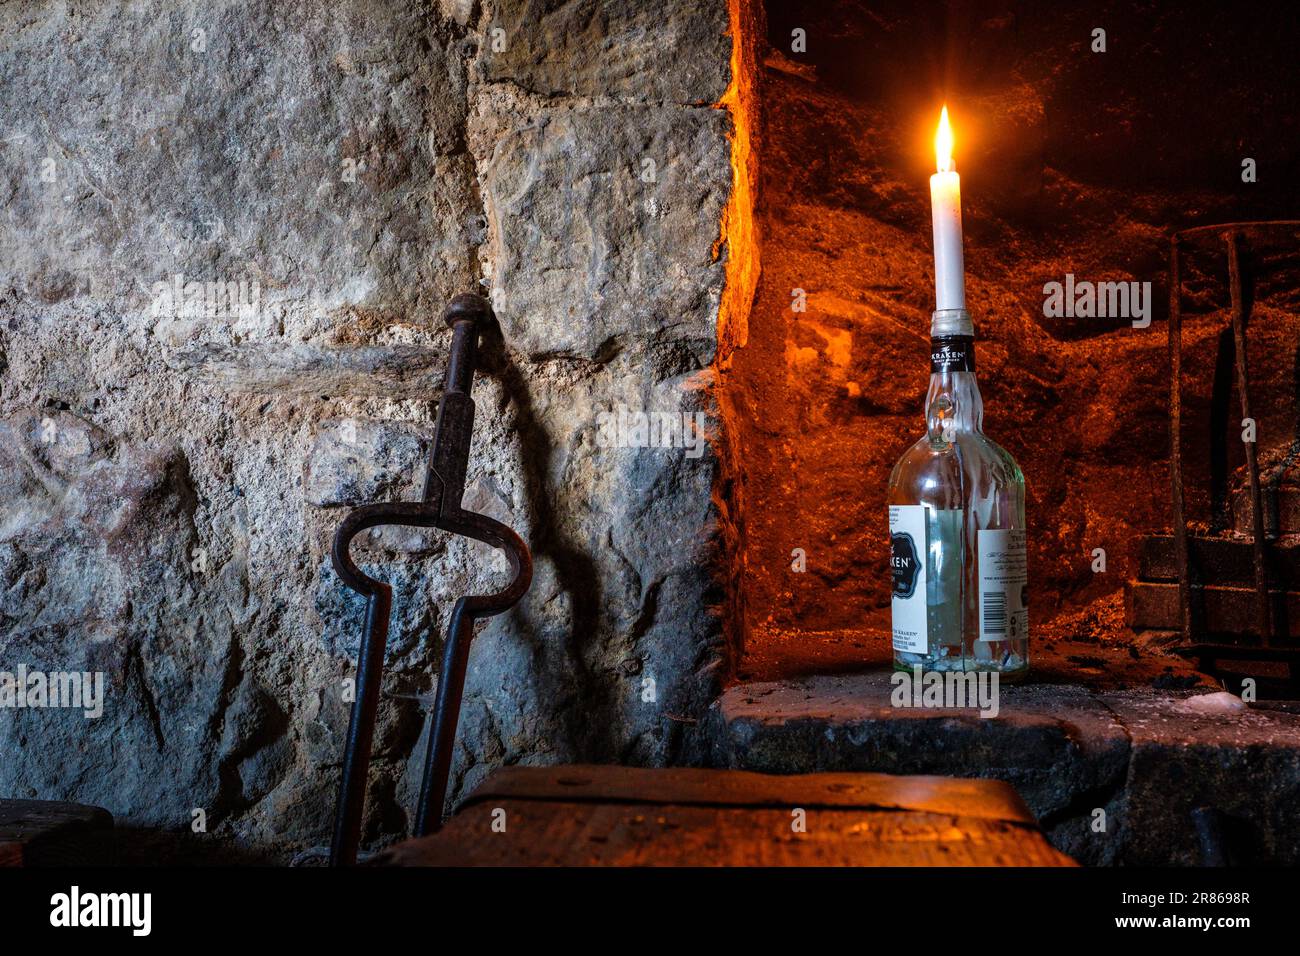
{"x": 945, "y": 205}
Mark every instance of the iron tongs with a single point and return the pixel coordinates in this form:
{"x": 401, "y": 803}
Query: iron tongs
{"x": 440, "y": 507}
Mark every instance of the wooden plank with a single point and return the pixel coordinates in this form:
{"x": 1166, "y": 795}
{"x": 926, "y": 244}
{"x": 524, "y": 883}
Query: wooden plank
{"x": 1219, "y": 561}
{"x": 1227, "y": 610}
{"x": 976, "y": 799}
{"x": 621, "y": 816}
{"x": 49, "y": 832}
{"x": 543, "y": 833}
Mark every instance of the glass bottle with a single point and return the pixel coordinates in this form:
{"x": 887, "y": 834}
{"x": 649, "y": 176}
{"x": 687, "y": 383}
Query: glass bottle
{"x": 957, "y": 528}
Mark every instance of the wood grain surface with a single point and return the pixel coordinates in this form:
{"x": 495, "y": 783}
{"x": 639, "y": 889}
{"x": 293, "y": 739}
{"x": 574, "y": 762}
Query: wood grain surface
{"x": 620, "y": 816}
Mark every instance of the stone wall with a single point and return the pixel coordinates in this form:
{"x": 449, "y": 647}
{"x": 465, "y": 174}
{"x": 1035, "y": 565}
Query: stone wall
{"x": 174, "y": 458}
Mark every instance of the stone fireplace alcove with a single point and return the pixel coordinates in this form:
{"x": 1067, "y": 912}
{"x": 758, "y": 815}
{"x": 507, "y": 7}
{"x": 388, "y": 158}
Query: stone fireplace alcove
{"x": 1073, "y": 161}
{"x": 643, "y": 191}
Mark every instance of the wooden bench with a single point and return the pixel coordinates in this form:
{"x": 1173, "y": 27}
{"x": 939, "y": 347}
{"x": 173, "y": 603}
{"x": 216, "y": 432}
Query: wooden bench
{"x": 621, "y": 816}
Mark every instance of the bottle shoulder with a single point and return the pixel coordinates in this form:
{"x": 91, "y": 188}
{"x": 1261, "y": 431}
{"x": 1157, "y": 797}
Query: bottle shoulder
{"x": 970, "y": 459}
{"x": 993, "y": 450}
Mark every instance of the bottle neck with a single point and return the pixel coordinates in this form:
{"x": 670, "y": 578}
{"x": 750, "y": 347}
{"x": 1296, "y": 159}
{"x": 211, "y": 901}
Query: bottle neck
{"x": 953, "y": 403}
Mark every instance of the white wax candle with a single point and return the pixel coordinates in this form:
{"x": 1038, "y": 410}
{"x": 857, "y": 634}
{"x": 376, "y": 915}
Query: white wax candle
{"x": 945, "y": 207}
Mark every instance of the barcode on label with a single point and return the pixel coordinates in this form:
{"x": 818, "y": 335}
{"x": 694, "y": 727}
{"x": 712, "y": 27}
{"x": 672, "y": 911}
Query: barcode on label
{"x": 995, "y": 613}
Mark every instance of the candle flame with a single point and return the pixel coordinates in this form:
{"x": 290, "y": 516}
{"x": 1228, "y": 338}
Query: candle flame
{"x": 943, "y": 142}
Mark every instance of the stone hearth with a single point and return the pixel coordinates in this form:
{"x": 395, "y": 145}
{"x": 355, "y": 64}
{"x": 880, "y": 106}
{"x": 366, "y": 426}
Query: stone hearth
{"x": 1147, "y": 759}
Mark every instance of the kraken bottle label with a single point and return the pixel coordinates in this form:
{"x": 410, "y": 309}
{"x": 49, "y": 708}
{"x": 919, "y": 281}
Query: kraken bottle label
{"x": 1003, "y": 583}
{"x": 907, "y": 552}
{"x": 952, "y": 353}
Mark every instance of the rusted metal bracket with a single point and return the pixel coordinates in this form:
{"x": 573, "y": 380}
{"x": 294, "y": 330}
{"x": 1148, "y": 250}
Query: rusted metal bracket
{"x": 440, "y": 507}
{"x": 1234, "y": 234}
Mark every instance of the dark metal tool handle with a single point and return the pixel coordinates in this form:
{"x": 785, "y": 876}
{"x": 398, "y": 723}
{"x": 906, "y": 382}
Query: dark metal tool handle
{"x": 440, "y": 508}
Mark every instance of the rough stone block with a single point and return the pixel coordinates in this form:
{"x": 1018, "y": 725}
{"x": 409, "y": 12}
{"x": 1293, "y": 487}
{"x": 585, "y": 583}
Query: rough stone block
{"x": 672, "y": 52}
{"x": 356, "y": 461}
{"x": 591, "y": 255}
